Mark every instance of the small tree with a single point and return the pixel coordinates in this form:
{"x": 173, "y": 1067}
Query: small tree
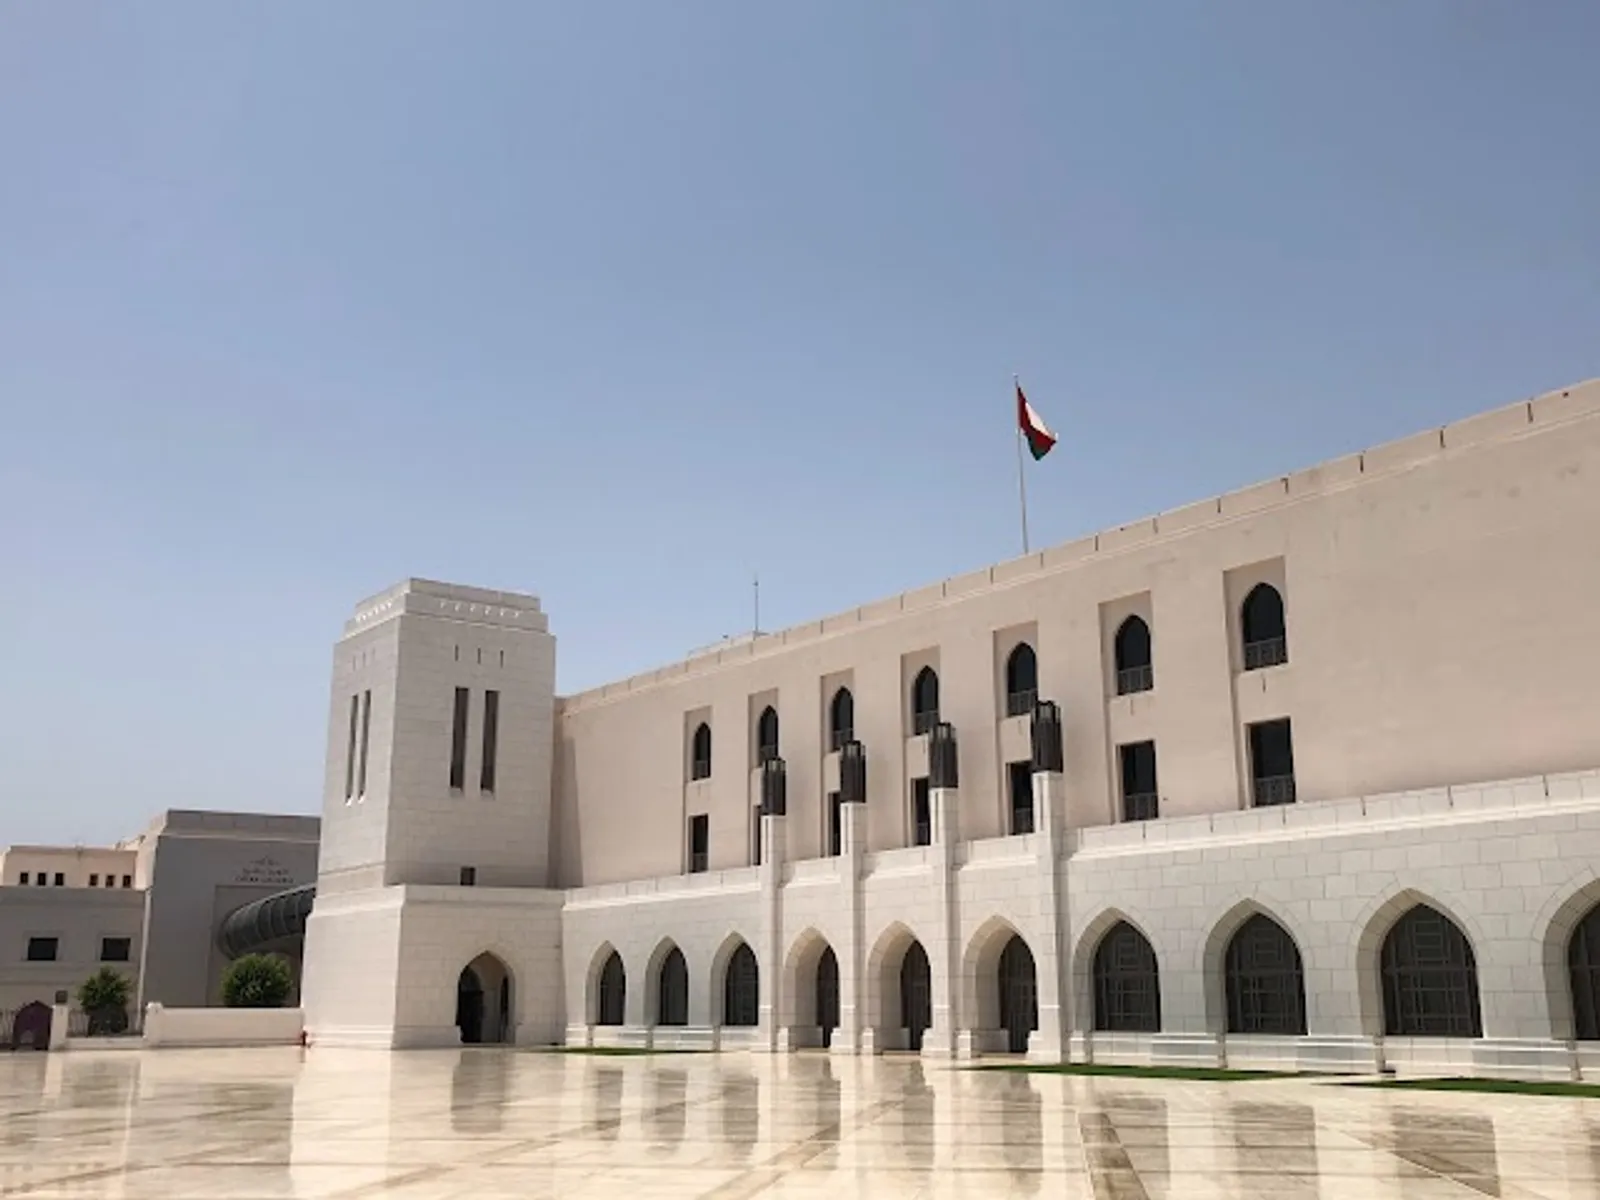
{"x": 104, "y": 997}
{"x": 256, "y": 981}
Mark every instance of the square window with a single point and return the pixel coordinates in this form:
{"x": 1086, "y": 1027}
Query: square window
{"x": 469, "y": 876}
{"x": 127, "y": 881}
{"x": 94, "y": 880}
{"x": 43, "y": 949}
{"x": 61, "y": 879}
{"x": 116, "y": 949}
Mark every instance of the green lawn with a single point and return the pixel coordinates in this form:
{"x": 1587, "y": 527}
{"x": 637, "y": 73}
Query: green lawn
{"x": 1516, "y": 1087}
{"x": 1212, "y": 1074}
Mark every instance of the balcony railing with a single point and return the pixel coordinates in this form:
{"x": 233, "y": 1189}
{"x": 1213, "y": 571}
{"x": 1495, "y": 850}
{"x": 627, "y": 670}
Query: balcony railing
{"x": 1268, "y": 652}
{"x": 1020, "y": 704}
{"x": 1135, "y": 679}
{"x": 839, "y": 737}
{"x": 1141, "y": 806}
{"x": 923, "y": 722}
{"x": 1274, "y": 789}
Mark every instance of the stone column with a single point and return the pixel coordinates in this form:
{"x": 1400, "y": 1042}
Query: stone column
{"x": 774, "y": 854}
{"x": 1052, "y": 959}
{"x": 849, "y": 1037}
{"x": 944, "y": 956}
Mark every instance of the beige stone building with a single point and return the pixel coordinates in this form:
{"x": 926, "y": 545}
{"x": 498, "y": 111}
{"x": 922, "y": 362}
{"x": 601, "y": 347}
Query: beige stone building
{"x": 1301, "y": 775}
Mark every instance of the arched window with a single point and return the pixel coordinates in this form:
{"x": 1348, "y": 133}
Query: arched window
{"x": 827, "y": 995}
{"x": 925, "y": 701}
{"x": 841, "y": 718}
{"x": 700, "y": 753}
{"x": 767, "y": 735}
{"x": 1022, "y": 680}
{"x": 741, "y": 996}
{"x": 1261, "y": 624}
{"x": 672, "y": 998}
{"x": 1583, "y": 961}
{"x": 612, "y": 1001}
{"x": 1430, "y": 978}
{"x": 1019, "y": 994}
{"x": 1135, "y": 667}
{"x": 1127, "y": 984}
{"x": 1265, "y": 983}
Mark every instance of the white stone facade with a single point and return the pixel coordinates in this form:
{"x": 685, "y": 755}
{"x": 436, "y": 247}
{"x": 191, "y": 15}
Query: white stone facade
{"x": 1437, "y": 605}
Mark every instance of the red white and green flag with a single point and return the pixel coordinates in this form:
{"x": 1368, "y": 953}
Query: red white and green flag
{"x": 1034, "y": 431}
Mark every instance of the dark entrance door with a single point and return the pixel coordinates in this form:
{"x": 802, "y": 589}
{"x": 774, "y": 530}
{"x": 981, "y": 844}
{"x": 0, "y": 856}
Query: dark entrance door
{"x": 1019, "y": 995}
{"x": 828, "y": 994}
{"x": 916, "y": 995}
{"x": 469, "y": 1007}
{"x": 30, "y": 1030}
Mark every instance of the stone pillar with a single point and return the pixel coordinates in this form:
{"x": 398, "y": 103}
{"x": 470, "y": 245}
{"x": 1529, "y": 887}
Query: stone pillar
{"x": 60, "y": 1014}
{"x": 1052, "y": 959}
{"x": 774, "y": 854}
{"x": 848, "y": 1037}
{"x": 944, "y": 956}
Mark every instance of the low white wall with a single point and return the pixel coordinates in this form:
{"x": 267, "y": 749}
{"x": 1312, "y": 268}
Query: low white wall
{"x": 222, "y": 1026}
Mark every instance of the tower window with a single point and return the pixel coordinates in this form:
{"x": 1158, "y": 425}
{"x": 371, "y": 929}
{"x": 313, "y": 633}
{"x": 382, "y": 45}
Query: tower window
{"x": 1262, "y": 626}
{"x": 841, "y": 718}
{"x": 925, "y": 701}
{"x": 1271, "y": 763}
{"x": 1140, "y": 798}
{"x": 1135, "y": 667}
{"x": 767, "y": 735}
{"x": 458, "y": 741}
{"x": 700, "y": 752}
{"x": 350, "y": 755}
{"x": 1022, "y": 680}
{"x": 491, "y": 734}
{"x": 366, "y": 733}
{"x": 699, "y": 843}
{"x": 921, "y": 812}
{"x": 1019, "y": 777}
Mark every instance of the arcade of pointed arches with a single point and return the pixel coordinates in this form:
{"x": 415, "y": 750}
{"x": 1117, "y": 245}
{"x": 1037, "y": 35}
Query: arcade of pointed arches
{"x": 1417, "y": 959}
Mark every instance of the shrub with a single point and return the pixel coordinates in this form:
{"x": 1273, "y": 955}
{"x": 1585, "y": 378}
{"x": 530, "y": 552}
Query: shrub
{"x": 256, "y": 981}
{"x": 104, "y": 997}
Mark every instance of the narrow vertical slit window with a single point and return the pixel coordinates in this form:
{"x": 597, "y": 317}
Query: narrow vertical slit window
{"x": 366, "y": 733}
{"x": 491, "y": 735}
{"x": 350, "y": 757}
{"x": 699, "y": 843}
{"x": 458, "y": 741}
{"x": 921, "y": 813}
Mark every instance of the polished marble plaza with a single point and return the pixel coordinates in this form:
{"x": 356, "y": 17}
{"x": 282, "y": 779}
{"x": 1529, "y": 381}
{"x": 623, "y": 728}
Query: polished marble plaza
{"x": 493, "y": 1125}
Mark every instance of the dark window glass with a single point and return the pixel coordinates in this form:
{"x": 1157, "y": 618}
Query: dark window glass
{"x": 1261, "y": 623}
{"x": 1265, "y": 983}
{"x": 699, "y": 842}
{"x": 43, "y": 949}
{"x": 127, "y": 881}
{"x": 1135, "y": 666}
{"x": 350, "y": 756}
{"x": 612, "y": 1001}
{"x": 1019, "y": 777}
{"x": 835, "y": 823}
{"x": 841, "y": 718}
{"x": 469, "y": 876}
{"x": 1271, "y": 763}
{"x": 921, "y": 813}
{"x": 925, "y": 701}
{"x": 741, "y": 1000}
{"x": 94, "y": 880}
{"x": 116, "y": 949}
{"x": 458, "y": 740}
{"x": 673, "y": 998}
{"x": 1430, "y": 978}
{"x": 366, "y": 734}
{"x": 61, "y": 879}
{"x": 700, "y": 752}
{"x": 916, "y": 995}
{"x": 1583, "y": 962}
{"x": 767, "y": 735}
{"x": 755, "y": 835}
{"x": 1019, "y": 995}
{"x": 23, "y": 878}
{"x": 491, "y": 740}
{"x": 1127, "y": 984}
{"x": 1022, "y": 680}
{"x": 827, "y": 994}
{"x": 1140, "y": 792}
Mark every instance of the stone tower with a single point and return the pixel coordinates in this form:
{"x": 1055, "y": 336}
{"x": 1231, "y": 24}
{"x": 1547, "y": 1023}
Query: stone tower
{"x": 438, "y": 780}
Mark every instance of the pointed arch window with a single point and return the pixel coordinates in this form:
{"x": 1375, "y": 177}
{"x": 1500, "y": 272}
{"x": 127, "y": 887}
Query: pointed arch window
{"x": 742, "y": 989}
{"x": 1430, "y": 978}
{"x": 1261, "y": 625}
{"x": 1022, "y": 680}
{"x": 700, "y": 752}
{"x": 611, "y": 1003}
{"x": 1127, "y": 983}
{"x": 672, "y": 999}
{"x": 767, "y": 735}
{"x": 1134, "y": 662}
{"x": 841, "y": 718}
{"x": 1583, "y": 963}
{"x": 1265, "y": 982}
{"x": 925, "y": 701}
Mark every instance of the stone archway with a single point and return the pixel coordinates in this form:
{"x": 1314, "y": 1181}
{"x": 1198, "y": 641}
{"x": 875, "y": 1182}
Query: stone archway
{"x": 484, "y": 1002}
{"x": 30, "y": 1028}
{"x": 899, "y": 996}
{"x": 1000, "y": 989}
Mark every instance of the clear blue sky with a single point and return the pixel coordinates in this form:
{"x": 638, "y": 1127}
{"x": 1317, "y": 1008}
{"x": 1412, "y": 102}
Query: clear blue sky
{"x": 620, "y": 302}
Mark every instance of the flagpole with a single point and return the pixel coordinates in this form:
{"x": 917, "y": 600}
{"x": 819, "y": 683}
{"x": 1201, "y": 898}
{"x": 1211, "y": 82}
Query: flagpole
{"x": 1022, "y": 479}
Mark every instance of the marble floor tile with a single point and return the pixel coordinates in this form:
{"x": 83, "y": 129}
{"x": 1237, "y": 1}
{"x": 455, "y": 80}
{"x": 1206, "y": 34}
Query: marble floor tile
{"x": 493, "y": 1125}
